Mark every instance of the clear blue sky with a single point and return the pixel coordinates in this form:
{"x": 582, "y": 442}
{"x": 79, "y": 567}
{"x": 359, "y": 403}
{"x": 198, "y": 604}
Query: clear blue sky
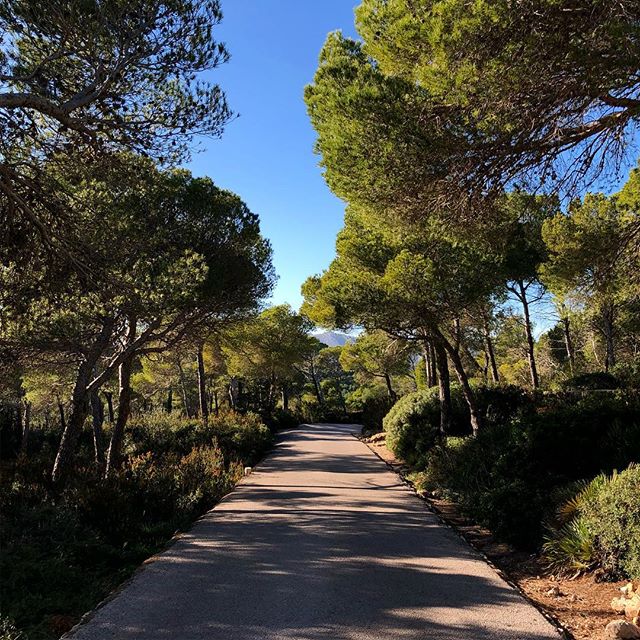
{"x": 266, "y": 155}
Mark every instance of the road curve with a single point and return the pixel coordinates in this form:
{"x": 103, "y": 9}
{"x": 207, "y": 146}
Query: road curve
{"x": 321, "y": 542}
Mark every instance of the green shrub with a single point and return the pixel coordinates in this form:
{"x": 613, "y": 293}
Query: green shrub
{"x": 240, "y": 436}
{"x": 413, "y": 426}
{"x": 369, "y": 406}
{"x": 64, "y": 551}
{"x": 613, "y": 518}
{"x": 592, "y": 381}
{"x": 281, "y": 419}
{"x": 413, "y": 423}
{"x": 599, "y": 526}
{"x": 504, "y": 478}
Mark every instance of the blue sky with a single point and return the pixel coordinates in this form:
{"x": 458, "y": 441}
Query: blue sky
{"x": 266, "y": 155}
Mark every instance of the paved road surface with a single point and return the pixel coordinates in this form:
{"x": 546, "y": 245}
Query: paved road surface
{"x": 321, "y": 542}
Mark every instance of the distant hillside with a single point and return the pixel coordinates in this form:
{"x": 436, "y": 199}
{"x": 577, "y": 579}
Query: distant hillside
{"x": 333, "y": 338}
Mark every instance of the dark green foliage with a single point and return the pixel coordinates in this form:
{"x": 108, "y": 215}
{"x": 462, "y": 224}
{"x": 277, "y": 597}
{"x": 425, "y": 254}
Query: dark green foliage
{"x": 599, "y": 525}
{"x": 371, "y": 406}
{"x": 504, "y": 478}
{"x": 413, "y": 425}
{"x": 239, "y": 436}
{"x": 592, "y": 381}
{"x": 280, "y": 419}
{"x": 613, "y": 518}
{"x": 63, "y": 552}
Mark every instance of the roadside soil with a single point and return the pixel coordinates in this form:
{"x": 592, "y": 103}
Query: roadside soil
{"x": 581, "y": 605}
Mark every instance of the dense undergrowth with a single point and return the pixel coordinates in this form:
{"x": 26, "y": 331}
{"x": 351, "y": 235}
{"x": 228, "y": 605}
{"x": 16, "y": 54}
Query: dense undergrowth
{"x": 63, "y": 551}
{"x": 535, "y": 453}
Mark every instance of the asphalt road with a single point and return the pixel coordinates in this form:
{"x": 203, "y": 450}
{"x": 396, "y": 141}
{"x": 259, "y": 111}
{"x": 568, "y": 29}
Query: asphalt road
{"x": 321, "y": 542}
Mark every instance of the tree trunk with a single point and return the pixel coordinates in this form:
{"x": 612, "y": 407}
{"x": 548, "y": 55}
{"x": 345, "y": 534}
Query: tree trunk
{"x": 529, "y": 334}
{"x": 491, "y": 356}
{"x": 26, "y": 427}
{"x": 73, "y": 426}
{"x": 202, "y": 389}
{"x": 285, "y": 397}
{"x": 216, "y": 406}
{"x": 568, "y": 343}
{"x": 390, "y": 391}
{"x": 63, "y": 421}
{"x": 432, "y": 362}
{"x": 79, "y": 405}
{"x": 607, "y": 326}
{"x": 97, "y": 418}
{"x": 444, "y": 388}
{"x": 428, "y": 364}
{"x": 108, "y": 396}
{"x": 467, "y": 392}
{"x": 343, "y": 403}
{"x": 316, "y": 384}
{"x": 183, "y": 389}
{"x": 169, "y": 405}
{"x": 114, "y": 458}
{"x": 232, "y": 400}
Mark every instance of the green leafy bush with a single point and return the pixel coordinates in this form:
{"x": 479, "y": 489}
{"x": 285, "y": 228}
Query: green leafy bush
{"x": 413, "y": 423}
{"x": 65, "y": 551}
{"x": 599, "y": 526}
{"x": 613, "y": 518}
{"x": 413, "y": 426}
{"x": 504, "y": 478}
{"x": 243, "y": 437}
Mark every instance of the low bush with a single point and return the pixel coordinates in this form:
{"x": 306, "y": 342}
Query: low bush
{"x": 413, "y": 426}
{"x": 505, "y": 477}
{"x": 413, "y": 423}
{"x": 65, "y": 551}
{"x": 368, "y": 406}
{"x": 240, "y": 436}
{"x": 613, "y": 518}
{"x": 592, "y": 381}
{"x": 599, "y": 526}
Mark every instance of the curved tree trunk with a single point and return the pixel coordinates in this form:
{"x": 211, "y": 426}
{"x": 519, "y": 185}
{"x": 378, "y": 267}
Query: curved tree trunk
{"x": 114, "y": 455}
{"x": 202, "y": 389}
{"x": 392, "y": 394}
{"x": 529, "y": 335}
{"x": 97, "y": 419}
{"x": 444, "y": 388}
{"x": 568, "y": 343}
{"x": 491, "y": 356}
{"x": 79, "y": 405}
{"x": 467, "y": 392}
{"x": 108, "y": 396}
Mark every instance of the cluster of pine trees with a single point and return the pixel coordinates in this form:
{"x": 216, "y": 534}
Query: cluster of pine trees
{"x": 470, "y": 140}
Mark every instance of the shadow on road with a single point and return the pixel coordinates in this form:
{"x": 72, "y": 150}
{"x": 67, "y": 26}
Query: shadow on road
{"x": 320, "y": 546}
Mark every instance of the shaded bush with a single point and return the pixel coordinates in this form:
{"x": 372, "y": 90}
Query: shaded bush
{"x": 281, "y": 419}
{"x": 413, "y": 426}
{"x": 599, "y": 526}
{"x": 613, "y": 518}
{"x": 506, "y": 476}
{"x": 592, "y": 381}
{"x": 65, "y": 551}
{"x": 240, "y": 436}
{"x": 413, "y": 423}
